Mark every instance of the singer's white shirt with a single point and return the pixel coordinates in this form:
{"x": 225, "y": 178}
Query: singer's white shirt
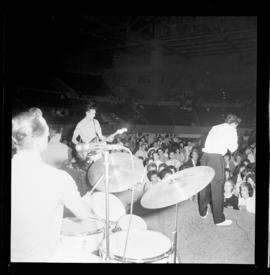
{"x": 38, "y": 194}
{"x": 221, "y": 138}
{"x": 87, "y": 129}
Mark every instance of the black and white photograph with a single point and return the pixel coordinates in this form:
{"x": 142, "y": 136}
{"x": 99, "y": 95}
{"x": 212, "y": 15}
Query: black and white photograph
{"x": 133, "y": 138}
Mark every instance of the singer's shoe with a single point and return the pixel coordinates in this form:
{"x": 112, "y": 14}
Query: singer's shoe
{"x": 205, "y": 216}
{"x": 225, "y": 223}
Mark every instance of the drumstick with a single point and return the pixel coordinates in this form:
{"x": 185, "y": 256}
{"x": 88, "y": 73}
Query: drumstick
{"x": 99, "y": 180}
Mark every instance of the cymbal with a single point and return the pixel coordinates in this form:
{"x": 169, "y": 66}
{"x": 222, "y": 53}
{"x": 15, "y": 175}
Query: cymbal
{"x": 178, "y": 187}
{"x": 121, "y": 173}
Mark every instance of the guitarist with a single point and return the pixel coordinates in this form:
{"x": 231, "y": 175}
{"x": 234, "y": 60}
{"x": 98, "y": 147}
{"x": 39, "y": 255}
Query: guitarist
{"x": 88, "y": 129}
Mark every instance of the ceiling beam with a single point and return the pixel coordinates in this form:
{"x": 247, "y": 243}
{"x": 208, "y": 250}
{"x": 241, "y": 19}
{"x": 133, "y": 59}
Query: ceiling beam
{"x": 194, "y": 37}
{"x": 209, "y": 48}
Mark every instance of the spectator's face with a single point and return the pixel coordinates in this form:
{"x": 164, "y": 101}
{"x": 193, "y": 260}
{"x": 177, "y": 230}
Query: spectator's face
{"x": 155, "y": 156}
{"x": 195, "y": 155}
{"x": 238, "y": 159}
{"x": 166, "y": 175}
{"x": 177, "y": 151}
{"x": 251, "y": 181}
{"x": 228, "y": 187}
{"x": 244, "y": 192}
{"x": 155, "y": 179}
{"x": 151, "y": 168}
{"x": 171, "y": 155}
{"x": 227, "y": 159}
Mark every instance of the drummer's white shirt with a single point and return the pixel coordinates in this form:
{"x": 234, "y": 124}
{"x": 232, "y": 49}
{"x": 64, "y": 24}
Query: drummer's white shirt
{"x": 39, "y": 192}
{"x": 221, "y": 138}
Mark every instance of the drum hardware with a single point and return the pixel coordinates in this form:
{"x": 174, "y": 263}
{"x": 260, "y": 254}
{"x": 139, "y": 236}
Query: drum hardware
{"x": 122, "y": 175}
{"x": 125, "y": 172}
{"x": 177, "y": 188}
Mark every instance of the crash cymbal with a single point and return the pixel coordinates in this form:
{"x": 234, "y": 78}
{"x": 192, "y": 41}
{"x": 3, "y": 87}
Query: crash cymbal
{"x": 121, "y": 175}
{"x": 178, "y": 187}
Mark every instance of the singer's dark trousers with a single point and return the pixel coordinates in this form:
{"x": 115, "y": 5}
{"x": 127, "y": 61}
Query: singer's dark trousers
{"x": 213, "y": 193}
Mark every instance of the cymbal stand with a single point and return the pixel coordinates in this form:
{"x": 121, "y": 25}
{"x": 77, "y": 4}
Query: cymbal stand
{"x": 175, "y": 235}
{"x": 106, "y": 158}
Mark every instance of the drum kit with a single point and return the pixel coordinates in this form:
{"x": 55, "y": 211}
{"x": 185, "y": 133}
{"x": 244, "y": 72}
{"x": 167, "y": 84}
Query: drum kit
{"x": 119, "y": 237}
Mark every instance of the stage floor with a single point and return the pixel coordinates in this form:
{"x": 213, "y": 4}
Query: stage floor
{"x": 200, "y": 240}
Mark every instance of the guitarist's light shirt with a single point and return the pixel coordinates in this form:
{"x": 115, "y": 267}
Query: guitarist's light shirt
{"x": 87, "y": 130}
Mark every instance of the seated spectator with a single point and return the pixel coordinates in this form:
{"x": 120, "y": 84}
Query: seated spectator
{"x": 250, "y": 178}
{"x": 165, "y": 173}
{"x": 179, "y": 155}
{"x": 230, "y": 199}
{"x": 173, "y": 161}
{"x": 166, "y": 152}
{"x": 172, "y": 168}
{"x": 151, "y": 167}
{"x": 153, "y": 179}
{"x": 187, "y": 150}
{"x": 237, "y": 158}
{"x": 57, "y": 154}
{"x": 246, "y": 162}
{"x": 239, "y": 178}
{"x": 247, "y": 198}
{"x": 156, "y": 158}
{"x": 227, "y": 159}
{"x": 141, "y": 152}
{"x": 193, "y": 161}
{"x": 161, "y": 167}
{"x": 150, "y": 152}
{"x": 228, "y": 174}
{"x": 162, "y": 157}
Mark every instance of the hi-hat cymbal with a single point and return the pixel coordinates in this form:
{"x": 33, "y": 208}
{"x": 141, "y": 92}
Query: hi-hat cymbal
{"x": 178, "y": 187}
{"x": 121, "y": 173}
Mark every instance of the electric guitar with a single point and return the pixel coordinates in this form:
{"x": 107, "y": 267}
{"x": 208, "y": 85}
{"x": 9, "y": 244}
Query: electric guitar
{"x": 91, "y": 145}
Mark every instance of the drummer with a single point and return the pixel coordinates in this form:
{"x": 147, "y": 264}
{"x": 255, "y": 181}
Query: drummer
{"x": 39, "y": 193}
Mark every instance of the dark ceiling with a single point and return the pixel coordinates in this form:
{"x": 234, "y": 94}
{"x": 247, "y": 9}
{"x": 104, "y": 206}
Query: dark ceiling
{"x": 42, "y": 45}
{"x": 51, "y": 38}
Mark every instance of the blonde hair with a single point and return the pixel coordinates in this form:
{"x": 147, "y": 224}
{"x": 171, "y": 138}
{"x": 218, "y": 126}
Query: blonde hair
{"x": 26, "y": 127}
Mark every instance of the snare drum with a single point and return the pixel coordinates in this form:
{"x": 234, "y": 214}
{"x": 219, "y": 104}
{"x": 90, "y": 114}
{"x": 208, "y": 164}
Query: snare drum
{"x": 98, "y": 206}
{"x": 82, "y": 235}
{"x": 136, "y": 222}
{"x": 143, "y": 246}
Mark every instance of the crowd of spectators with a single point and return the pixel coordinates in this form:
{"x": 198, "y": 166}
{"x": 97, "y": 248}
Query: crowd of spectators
{"x": 164, "y": 154}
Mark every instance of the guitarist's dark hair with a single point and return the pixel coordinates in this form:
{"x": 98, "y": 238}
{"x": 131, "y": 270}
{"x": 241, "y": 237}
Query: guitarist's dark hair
{"x": 89, "y": 107}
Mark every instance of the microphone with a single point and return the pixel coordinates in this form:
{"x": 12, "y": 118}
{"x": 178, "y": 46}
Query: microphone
{"x": 113, "y": 147}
